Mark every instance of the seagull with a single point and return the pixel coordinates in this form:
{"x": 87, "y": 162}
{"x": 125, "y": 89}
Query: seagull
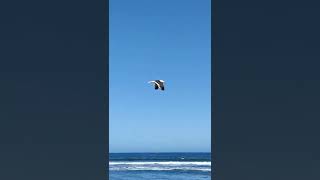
{"x": 158, "y": 84}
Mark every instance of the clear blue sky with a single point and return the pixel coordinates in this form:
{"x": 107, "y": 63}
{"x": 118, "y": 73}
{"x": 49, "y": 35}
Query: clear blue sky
{"x": 160, "y": 39}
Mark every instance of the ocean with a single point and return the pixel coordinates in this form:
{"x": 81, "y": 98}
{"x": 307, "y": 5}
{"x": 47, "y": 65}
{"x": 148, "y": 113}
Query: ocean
{"x": 160, "y": 166}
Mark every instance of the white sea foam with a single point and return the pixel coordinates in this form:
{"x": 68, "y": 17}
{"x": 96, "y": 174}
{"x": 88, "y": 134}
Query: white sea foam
{"x": 160, "y": 163}
{"x": 158, "y": 169}
{"x": 159, "y": 166}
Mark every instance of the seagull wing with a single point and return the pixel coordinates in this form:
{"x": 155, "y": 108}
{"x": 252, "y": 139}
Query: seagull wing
{"x": 156, "y": 83}
{"x": 162, "y": 86}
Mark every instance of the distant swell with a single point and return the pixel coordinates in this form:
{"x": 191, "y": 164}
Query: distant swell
{"x": 159, "y": 166}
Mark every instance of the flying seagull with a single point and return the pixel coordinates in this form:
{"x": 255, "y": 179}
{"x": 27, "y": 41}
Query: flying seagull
{"x": 158, "y": 84}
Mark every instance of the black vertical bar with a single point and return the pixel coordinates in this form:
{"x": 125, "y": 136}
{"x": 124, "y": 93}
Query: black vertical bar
{"x": 266, "y": 89}
{"x": 53, "y": 93}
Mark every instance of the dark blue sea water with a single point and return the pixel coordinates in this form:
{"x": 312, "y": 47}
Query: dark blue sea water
{"x": 160, "y": 166}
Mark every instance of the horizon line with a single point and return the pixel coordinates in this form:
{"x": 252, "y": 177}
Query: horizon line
{"x": 167, "y": 152}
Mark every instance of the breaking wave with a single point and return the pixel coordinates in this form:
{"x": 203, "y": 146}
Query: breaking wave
{"x": 160, "y": 166}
